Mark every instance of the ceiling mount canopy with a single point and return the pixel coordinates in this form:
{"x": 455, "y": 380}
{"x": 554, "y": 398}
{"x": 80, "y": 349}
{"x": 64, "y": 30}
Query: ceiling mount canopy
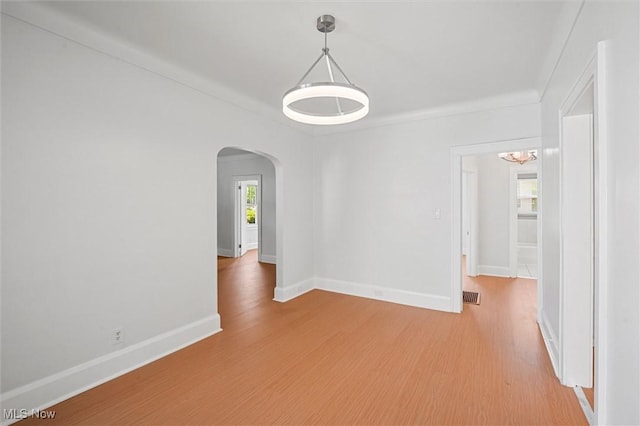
{"x": 519, "y": 157}
{"x": 325, "y": 102}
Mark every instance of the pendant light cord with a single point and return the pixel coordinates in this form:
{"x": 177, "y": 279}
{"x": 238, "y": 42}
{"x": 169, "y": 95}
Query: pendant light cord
{"x": 330, "y": 60}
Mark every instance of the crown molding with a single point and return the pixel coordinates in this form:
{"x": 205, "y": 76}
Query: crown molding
{"x": 61, "y": 25}
{"x": 527, "y": 97}
{"x": 563, "y": 29}
{"x": 47, "y": 19}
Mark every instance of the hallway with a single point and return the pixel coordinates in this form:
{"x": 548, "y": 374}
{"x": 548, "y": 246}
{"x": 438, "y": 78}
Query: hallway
{"x": 327, "y": 358}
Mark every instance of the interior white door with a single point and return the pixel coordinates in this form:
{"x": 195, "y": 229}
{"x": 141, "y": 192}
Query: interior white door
{"x": 243, "y": 218}
{"x": 577, "y": 249}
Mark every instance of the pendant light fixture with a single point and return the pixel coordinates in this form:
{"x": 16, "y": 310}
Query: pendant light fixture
{"x": 325, "y": 102}
{"x": 519, "y": 157}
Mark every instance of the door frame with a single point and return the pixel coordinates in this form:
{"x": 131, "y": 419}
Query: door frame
{"x": 593, "y": 74}
{"x": 457, "y": 152}
{"x": 471, "y": 177}
{"x": 514, "y": 171}
{"x": 237, "y": 202}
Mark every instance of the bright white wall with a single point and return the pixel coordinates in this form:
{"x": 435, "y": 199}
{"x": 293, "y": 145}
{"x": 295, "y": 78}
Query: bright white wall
{"x": 244, "y": 165}
{"x": 493, "y": 215}
{"x": 527, "y": 231}
{"x": 618, "y": 23}
{"x": 376, "y": 192}
{"x": 469, "y": 193}
{"x": 494, "y": 176}
{"x": 109, "y": 202}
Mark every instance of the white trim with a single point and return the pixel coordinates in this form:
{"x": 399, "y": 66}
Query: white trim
{"x": 387, "y": 294}
{"x": 495, "y": 271}
{"x": 267, "y": 258}
{"x": 74, "y": 30}
{"x": 550, "y": 341}
{"x": 284, "y": 294}
{"x": 539, "y": 262}
{"x": 509, "y": 100}
{"x": 369, "y": 291}
{"x": 70, "y": 29}
{"x": 237, "y": 224}
{"x": 58, "y": 387}
{"x": 514, "y": 171}
{"x": 576, "y": 251}
{"x": 595, "y": 72}
{"x": 559, "y": 44}
{"x": 513, "y": 220}
{"x": 471, "y": 177}
{"x": 584, "y": 404}
{"x": 457, "y": 152}
{"x": 601, "y": 144}
{"x": 225, "y": 252}
{"x": 252, "y": 246}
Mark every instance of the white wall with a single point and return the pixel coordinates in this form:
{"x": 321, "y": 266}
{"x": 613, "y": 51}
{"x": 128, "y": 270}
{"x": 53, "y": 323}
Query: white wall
{"x": 494, "y": 181}
{"x": 493, "y": 215}
{"x": 618, "y": 23}
{"x": 468, "y": 210}
{"x": 109, "y": 211}
{"x": 109, "y": 189}
{"x": 244, "y": 165}
{"x": 376, "y": 193}
{"x": 528, "y": 231}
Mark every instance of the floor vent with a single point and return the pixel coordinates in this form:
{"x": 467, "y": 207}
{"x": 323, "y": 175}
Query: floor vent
{"x": 471, "y": 297}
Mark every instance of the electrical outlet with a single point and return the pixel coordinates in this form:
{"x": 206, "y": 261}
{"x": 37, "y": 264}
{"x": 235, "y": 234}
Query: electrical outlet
{"x": 117, "y": 337}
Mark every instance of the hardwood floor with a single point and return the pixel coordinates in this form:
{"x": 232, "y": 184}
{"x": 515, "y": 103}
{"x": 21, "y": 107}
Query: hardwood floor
{"x": 327, "y": 358}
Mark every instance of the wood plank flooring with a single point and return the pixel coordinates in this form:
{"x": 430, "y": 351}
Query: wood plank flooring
{"x": 327, "y": 358}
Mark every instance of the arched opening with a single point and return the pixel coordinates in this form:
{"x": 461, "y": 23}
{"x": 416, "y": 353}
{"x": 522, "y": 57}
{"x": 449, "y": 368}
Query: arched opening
{"x": 249, "y": 243}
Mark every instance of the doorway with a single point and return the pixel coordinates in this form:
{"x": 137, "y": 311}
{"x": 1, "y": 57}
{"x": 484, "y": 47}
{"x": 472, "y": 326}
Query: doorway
{"x": 523, "y": 200}
{"x": 499, "y": 216}
{"x": 457, "y": 177}
{"x": 252, "y": 213}
{"x": 247, "y": 214}
{"x": 578, "y": 231}
{"x": 581, "y": 231}
{"x": 584, "y": 236}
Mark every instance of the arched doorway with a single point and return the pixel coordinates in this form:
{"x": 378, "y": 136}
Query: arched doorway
{"x": 249, "y": 243}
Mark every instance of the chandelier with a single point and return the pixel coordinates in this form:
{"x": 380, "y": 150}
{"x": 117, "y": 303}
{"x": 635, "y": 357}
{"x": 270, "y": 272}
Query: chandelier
{"x": 520, "y": 157}
{"x": 325, "y": 102}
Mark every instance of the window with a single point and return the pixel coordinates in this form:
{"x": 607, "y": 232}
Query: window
{"x": 527, "y": 195}
{"x": 252, "y": 203}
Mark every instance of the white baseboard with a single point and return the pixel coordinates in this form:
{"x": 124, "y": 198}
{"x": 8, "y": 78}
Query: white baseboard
{"x": 51, "y": 390}
{"x": 584, "y": 404}
{"x": 225, "y": 252}
{"x": 386, "y": 294}
{"x": 284, "y": 294}
{"x": 252, "y": 246}
{"x": 403, "y": 297}
{"x": 551, "y": 343}
{"x": 494, "y": 271}
{"x": 267, "y": 258}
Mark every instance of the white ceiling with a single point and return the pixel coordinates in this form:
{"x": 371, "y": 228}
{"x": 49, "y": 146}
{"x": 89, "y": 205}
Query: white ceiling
{"x": 409, "y": 56}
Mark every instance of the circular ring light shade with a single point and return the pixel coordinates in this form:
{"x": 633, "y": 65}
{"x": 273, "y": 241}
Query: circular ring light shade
{"x": 325, "y": 90}
{"x": 520, "y": 157}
